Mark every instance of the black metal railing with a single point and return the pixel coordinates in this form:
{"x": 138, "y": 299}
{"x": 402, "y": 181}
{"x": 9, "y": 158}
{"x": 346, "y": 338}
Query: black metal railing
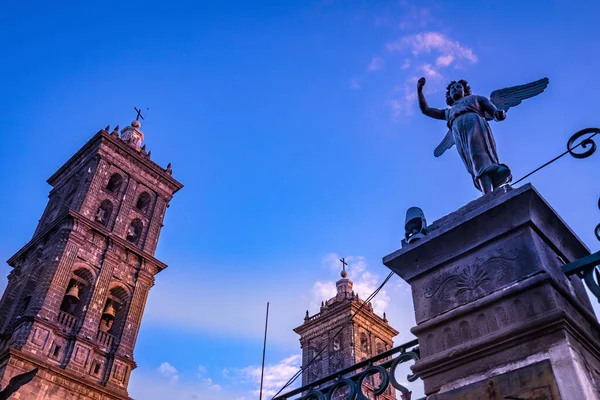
{"x": 586, "y": 268}
{"x": 354, "y": 379}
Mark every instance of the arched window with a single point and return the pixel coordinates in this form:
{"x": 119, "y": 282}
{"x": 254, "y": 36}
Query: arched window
{"x": 143, "y": 202}
{"x": 114, "y": 183}
{"x": 135, "y": 231}
{"x": 114, "y": 314}
{"x": 77, "y": 293}
{"x": 104, "y": 212}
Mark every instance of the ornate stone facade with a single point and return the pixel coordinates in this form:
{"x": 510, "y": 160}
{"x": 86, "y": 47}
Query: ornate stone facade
{"x": 366, "y": 336}
{"x": 75, "y": 298}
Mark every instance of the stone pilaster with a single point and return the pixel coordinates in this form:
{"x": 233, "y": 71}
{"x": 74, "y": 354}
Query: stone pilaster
{"x": 122, "y": 221}
{"x": 93, "y": 313}
{"x": 153, "y": 231}
{"x": 58, "y": 285}
{"x": 495, "y": 315}
{"x": 143, "y": 284}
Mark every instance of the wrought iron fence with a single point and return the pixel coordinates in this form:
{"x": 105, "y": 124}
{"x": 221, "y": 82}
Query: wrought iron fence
{"x": 586, "y": 268}
{"x": 352, "y": 380}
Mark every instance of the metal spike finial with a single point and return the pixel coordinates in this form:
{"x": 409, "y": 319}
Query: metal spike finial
{"x": 107, "y": 128}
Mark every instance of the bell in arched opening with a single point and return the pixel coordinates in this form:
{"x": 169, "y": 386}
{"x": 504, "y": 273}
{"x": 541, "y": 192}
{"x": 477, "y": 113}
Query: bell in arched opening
{"x": 73, "y": 293}
{"x": 109, "y": 312}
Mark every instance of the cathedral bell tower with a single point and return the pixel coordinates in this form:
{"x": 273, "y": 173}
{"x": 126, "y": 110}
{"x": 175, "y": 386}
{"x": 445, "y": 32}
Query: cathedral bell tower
{"x": 76, "y": 294}
{"x": 365, "y": 336}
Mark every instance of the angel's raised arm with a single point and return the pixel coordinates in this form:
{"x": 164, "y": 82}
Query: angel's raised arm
{"x": 425, "y": 109}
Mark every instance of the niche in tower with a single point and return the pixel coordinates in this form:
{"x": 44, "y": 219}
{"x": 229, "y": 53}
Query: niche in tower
{"x": 143, "y": 202}
{"x": 78, "y": 290}
{"x": 114, "y": 311}
{"x": 114, "y": 183}
{"x": 104, "y": 212}
{"x": 364, "y": 342}
{"x": 135, "y": 231}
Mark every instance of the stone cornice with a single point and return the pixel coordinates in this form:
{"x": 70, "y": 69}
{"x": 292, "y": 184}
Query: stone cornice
{"x": 346, "y": 309}
{"x": 103, "y": 135}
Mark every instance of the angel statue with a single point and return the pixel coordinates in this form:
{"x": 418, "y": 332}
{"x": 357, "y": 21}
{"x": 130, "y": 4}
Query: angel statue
{"x": 467, "y": 119}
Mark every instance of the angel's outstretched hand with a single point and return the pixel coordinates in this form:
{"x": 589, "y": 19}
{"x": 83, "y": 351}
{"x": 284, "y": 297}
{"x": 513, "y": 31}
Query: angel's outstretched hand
{"x": 420, "y": 84}
{"x": 500, "y": 115}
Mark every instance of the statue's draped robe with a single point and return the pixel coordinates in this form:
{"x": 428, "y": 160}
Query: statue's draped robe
{"x": 474, "y": 140}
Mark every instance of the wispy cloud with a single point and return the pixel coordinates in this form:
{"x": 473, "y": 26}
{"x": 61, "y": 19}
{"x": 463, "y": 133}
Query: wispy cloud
{"x": 275, "y": 375}
{"x": 376, "y": 64}
{"x": 431, "y": 53}
{"x": 168, "y": 371}
{"x": 160, "y": 384}
{"x": 355, "y": 83}
{"x": 430, "y": 72}
{"x": 428, "y": 42}
{"x": 444, "y": 61}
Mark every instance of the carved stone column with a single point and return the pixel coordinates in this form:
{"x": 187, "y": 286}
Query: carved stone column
{"x": 495, "y": 315}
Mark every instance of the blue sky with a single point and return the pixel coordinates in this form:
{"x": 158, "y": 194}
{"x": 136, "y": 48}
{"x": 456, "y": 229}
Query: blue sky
{"x": 294, "y": 127}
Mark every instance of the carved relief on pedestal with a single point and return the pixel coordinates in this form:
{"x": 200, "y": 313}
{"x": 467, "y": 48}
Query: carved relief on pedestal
{"x": 469, "y": 280}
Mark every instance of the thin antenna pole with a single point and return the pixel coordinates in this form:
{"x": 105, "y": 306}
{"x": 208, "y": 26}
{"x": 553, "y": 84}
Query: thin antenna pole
{"x": 262, "y": 372}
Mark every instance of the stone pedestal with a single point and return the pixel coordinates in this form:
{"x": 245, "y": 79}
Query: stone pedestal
{"x": 496, "y": 317}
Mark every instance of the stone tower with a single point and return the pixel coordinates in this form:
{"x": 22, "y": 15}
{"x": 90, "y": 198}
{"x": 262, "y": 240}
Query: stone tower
{"x": 75, "y": 298}
{"x": 366, "y": 336}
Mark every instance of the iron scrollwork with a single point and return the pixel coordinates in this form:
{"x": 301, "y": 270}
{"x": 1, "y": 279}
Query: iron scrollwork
{"x": 349, "y": 382}
{"x": 597, "y": 230}
{"x": 584, "y": 143}
{"x": 587, "y": 143}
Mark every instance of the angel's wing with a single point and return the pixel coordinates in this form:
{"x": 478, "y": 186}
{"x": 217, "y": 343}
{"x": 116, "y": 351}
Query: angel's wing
{"x": 509, "y": 97}
{"x": 444, "y": 145}
{"x": 16, "y": 382}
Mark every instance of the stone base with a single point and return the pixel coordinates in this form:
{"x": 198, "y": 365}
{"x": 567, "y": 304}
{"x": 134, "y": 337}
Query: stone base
{"x": 491, "y": 300}
{"x": 50, "y": 383}
{"x": 535, "y": 381}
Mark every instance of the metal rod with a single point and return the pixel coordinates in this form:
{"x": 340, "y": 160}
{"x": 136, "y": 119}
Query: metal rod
{"x": 584, "y": 142}
{"x": 262, "y": 372}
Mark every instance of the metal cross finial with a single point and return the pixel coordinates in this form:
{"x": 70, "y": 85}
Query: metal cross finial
{"x": 344, "y": 263}
{"x": 139, "y": 114}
